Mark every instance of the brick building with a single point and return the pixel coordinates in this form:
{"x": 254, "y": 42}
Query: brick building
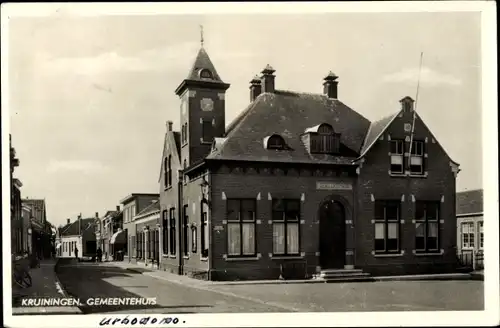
{"x": 300, "y": 183}
{"x": 133, "y": 204}
{"x": 470, "y": 234}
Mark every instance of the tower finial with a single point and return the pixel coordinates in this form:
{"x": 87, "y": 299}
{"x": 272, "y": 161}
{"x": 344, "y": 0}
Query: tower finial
{"x": 201, "y": 35}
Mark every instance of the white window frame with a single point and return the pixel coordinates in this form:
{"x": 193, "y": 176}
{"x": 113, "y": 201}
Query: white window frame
{"x": 417, "y": 153}
{"x": 470, "y": 231}
{"x": 398, "y": 155}
{"x": 480, "y": 235}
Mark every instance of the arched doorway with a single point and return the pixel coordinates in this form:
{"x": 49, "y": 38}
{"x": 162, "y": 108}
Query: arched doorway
{"x": 332, "y": 235}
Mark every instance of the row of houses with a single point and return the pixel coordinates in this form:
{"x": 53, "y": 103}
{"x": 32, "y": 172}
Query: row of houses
{"x": 31, "y": 233}
{"x": 298, "y": 184}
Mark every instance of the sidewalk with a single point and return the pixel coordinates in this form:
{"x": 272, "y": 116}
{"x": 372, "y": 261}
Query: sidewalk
{"x": 45, "y": 284}
{"x": 192, "y": 282}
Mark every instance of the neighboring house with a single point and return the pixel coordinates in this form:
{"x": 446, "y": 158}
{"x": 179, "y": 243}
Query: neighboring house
{"x": 40, "y": 229}
{"x": 300, "y": 184}
{"x": 470, "y": 235}
{"x": 79, "y": 234}
{"x": 132, "y": 204}
{"x": 105, "y": 230}
{"x": 147, "y": 235}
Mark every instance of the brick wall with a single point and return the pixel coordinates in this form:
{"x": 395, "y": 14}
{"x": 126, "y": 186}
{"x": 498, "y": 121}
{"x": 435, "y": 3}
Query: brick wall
{"x": 263, "y": 186}
{"x": 439, "y": 185}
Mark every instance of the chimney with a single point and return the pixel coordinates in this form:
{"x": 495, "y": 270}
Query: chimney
{"x": 170, "y": 126}
{"x": 255, "y": 88}
{"x": 118, "y": 208}
{"x": 268, "y": 79}
{"x": 407, "y": 104}
{"x": 68, "y": 220}
{"x": 96, "y": 215}
{"x": 80, "y": 224}
{"x": 330, "y": 85}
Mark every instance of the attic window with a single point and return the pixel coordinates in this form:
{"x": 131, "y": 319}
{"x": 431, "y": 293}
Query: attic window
{"x": 325, "y": 140}
{"x": 206, "y": 74}
{"x": 275, "y": 142}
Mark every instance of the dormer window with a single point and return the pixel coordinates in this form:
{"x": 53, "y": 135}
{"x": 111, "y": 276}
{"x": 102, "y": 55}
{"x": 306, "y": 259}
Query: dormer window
{"x": 324, "y": 140}
{"x": 275, "y": 142}
{"x": 206, "y": 74}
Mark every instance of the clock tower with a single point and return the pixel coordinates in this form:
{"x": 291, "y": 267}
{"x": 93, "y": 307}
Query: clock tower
{"x": 202, "y": 97}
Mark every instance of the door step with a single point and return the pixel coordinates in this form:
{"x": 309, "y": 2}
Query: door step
{"x": 343, "y": 275}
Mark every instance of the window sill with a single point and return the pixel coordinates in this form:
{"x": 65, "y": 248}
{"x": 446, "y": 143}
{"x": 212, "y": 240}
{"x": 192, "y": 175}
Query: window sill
{"x": 286, "y": 257}
{"x": 418, "y": 175}
{"x": 407, "y": 174}
{"x": 388, "y": 254}
{"x": 235, "y": 259}
{"x": 172, "y": 256}
{"x": 204, "y": 259}
{"x": 203, "y": 142}
{"x": 168, "y": 188}
{"x": 429, "y": 253}
{"x": 186, "y": 257}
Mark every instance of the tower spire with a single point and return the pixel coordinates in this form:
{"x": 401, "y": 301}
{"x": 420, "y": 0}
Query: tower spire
{"x": 201, "y": 35}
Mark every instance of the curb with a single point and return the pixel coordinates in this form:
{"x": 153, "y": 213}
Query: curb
{"x": 75, "y": 310}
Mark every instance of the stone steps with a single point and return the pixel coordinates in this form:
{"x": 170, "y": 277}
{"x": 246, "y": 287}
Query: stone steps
{"x": 337, "y": 275}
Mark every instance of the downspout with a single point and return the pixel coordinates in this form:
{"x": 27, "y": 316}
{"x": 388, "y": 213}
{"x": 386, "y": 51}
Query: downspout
{"x": 209, "y": 223}
{"x": 179, "y": 220}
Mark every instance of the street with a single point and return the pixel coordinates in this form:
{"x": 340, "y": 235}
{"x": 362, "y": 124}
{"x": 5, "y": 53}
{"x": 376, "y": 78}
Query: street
{"x": 86, "y": 280}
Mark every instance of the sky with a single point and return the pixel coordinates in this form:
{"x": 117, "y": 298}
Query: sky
{"x": 89, "y": 97}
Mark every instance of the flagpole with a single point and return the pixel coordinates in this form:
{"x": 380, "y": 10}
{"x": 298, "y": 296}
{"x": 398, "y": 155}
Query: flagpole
{"x": 415, "y": 109}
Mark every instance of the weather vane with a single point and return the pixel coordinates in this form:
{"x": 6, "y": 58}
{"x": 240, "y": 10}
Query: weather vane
{"x": 201, "y": 34}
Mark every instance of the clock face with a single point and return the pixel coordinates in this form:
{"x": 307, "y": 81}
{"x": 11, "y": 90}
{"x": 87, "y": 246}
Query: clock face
{"x": 207, "y": 104}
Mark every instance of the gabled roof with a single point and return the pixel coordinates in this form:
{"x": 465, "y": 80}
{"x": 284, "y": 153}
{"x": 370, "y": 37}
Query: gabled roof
{"x": 73, "y": 229}
{"x": 375, "y": 131}
{"x": 289, "y": 114}
{"x": 377, "y": 128}
{"x": 469, "y": 202}
{"x": 173, "y": 140}
{"x": 152, "y": 208}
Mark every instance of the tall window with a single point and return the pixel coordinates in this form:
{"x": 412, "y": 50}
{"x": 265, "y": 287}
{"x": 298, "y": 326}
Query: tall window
{"x": 325, "y": 141}
{"x": 168, "y": 171}
{"x": 397, "y": 156}
{"x": 194, "y": 239}
{"x": 241, "y": 227}
{"x": 417, "y": 157}
{"x": 139, "y": 245}
{"x": 427, "y": 226}
{"x": 132, "y": 212}
{"x": 172, "y": 231}
{"x": 481, "y": 235}
{"x": 133, "y": 245}
{"x": 467, "y": 235}
{"x": 165, "y": 172}
{"x": 387, "y": 225}
{"x": 207, "y": 131}
{"x": 286, "y": 232}
{"x": 165, "y": 231}
{"x": 204, "y": 234}
{"x": 183, "y": 133}
{"x": 185, "y": 230}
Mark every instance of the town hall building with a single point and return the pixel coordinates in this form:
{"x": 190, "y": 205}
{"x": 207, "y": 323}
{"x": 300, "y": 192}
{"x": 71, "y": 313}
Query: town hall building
{"x": 299, "y": 184}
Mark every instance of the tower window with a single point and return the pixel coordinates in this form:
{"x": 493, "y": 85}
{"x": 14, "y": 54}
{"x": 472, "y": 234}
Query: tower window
{"x": 207, "y": 131}
{"x": 206, "y": 74}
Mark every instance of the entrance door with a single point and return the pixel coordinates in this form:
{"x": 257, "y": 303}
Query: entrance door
{"x": 332, "y": 235}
